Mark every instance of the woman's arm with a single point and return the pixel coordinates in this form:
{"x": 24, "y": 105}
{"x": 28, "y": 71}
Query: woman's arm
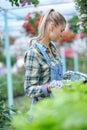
{"x": 32, "y": 76}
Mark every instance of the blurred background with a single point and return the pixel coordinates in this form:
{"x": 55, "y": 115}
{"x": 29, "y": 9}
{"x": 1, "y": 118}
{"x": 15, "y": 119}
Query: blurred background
{"x": 18, "y": 24}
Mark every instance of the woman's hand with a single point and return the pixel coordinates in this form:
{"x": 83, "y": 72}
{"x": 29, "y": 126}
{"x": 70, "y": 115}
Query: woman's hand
{"x": 56, "y": 84}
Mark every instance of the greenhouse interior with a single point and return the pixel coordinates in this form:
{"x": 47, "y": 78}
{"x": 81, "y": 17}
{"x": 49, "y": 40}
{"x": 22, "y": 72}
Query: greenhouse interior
{"x": 19, "y": 23}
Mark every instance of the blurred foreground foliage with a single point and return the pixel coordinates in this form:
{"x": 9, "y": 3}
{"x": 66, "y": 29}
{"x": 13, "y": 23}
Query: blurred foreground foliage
{"x": 66, "y": 111}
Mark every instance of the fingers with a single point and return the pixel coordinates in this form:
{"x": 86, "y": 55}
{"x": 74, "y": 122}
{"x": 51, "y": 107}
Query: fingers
{"x": 56, "y": 84}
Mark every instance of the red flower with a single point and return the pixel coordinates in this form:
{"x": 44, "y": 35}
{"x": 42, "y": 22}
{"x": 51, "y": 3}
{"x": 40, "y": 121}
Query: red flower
{"x": 36, "y": 24}
{"x": 32, "y": 31}
{"x": 38, "y": 18}
{"x": 67, "y": 37}
{"x": 26, "y": 25}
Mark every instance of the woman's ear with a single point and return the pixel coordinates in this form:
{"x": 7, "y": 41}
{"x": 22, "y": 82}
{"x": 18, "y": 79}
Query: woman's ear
{"x": 51, "y": 27}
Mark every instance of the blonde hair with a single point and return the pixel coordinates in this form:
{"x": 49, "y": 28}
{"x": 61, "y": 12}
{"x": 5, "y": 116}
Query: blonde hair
{"x": 51, "y": 15}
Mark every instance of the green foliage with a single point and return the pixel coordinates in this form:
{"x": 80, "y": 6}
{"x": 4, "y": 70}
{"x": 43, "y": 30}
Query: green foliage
{"x": 18, "y": 2}
{"x": 85, "y": 31}
{"x": 81, "y": 6}
{"x": 5, "y": 116}
{"x": 3, "y": 59}
{"x": 82, "y": 62}
{"x": 73, "y": 24}
{"x": 17, "y": 86}
{"x": 69, "y": 63}
{"x": 22, "y": 103}
{"x": 67, "y": 111}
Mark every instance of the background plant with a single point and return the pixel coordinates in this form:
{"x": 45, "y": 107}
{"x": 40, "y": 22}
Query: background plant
{"x": 74, "y": 26}
{"x": 81, "y": 6}
{"x": 17, "y": 86}
{"x": 5, "y": 116}
{"x": 3, "y": 56}
{"x": 31, "y": 23}
{"x": 24, "y": 2}
{"x": 67, "y": 37}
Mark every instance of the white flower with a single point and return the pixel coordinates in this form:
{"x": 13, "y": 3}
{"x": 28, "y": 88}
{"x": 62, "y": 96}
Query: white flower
{"x": 80, "y": 46}
{"x": 19, "y": 47}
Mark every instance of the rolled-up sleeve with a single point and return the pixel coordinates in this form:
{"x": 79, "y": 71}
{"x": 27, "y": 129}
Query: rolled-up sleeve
{"x": 44, "y": 90}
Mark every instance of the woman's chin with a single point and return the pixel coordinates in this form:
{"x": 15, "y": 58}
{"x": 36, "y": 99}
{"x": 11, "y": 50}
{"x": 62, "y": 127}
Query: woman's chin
{"x": 56, "y": 40}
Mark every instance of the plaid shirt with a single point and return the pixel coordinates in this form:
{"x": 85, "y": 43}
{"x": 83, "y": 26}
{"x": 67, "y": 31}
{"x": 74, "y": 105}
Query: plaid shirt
{"x": 37, "y": 71}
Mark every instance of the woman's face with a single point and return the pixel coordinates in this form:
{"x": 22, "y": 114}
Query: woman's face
{"x": 56, "y": 32}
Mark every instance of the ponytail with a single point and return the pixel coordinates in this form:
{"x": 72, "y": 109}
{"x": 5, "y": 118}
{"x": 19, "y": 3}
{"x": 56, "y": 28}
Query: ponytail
{"x": 42, "y": 26}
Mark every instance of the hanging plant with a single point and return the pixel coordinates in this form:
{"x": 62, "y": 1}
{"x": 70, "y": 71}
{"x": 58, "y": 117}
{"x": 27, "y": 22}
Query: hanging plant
{"x": 67, "y": 37}
{"x": 31, "y": 23}
{"x": 73, "y": 24}
{"x": 81, "y": 6}
{"x": 24, "y": 2}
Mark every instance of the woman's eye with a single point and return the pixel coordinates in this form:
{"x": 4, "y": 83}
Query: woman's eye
{"x": 62, "y": 30}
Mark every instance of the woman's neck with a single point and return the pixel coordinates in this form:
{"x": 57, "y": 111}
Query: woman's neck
{"x": 45, "y": 41}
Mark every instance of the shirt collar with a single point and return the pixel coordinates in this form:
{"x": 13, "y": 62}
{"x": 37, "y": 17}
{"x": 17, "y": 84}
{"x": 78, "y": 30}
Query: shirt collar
{"x": 52, "y": 45}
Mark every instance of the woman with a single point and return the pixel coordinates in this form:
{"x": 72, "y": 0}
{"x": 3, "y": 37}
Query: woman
{"x": 43, "y": 66}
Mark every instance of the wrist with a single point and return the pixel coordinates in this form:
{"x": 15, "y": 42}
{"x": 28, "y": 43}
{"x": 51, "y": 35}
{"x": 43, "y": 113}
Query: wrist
{"x": 49, "y": 89}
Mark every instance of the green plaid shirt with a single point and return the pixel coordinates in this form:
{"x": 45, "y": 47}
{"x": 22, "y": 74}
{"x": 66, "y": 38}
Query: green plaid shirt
{"x": 37, "y": 71}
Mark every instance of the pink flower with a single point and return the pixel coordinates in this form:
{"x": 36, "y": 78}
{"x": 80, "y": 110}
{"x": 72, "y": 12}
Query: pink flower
{"x": 23, "y": 3}
{"x": 69, "y": 52}
{"x": 80, "y": 35}
{"x": 28, "y": 16}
